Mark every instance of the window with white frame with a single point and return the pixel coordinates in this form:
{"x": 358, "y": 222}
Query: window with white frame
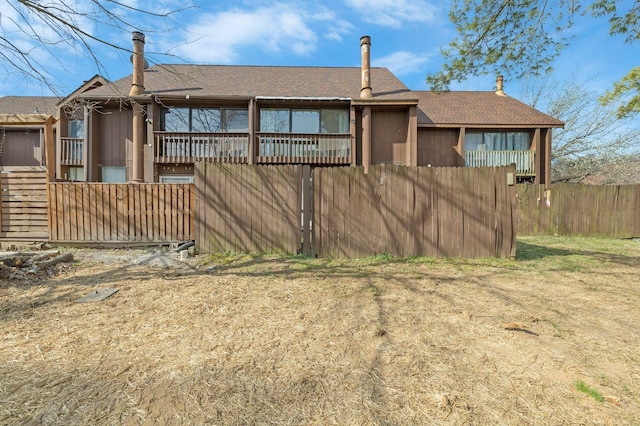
{"x": 475, "y": 140}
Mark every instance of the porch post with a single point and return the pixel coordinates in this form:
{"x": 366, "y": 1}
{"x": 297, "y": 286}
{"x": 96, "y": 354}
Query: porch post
{"x": 352, "y": 132}
{"x": 460, "y": 146}
{"x": 86, "y": 152}
{"x": 251, "y": 154}
{"x": 547, "y": 158}
{"x": 149, "y": 146}
{"x": 366, "y": 138}
{"x": 50, "y": 159}
{"x": 138, "y": 143}
{"x": 538, "y": 149}
{"x": 57, "y": 163}
{"x": 412, "y": 138}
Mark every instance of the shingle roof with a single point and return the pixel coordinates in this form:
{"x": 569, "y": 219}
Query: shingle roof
{"x": 251, "y": 81}
{"x": 231, "y": 81}
{"x": 28, "y": 105}
{"x": 477, "y": 108}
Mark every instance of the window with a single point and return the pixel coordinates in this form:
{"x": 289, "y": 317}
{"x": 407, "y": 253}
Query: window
{"x": 76, "y": 173}
{"x": 497, "y": 141}
{"x": 334, "y": 121}
{"x": 305, "y": 121}
{"x": 176, "y": 120}
{"x": 176, "y": 179}
{"x": 286, "y": 120}
{"x": 205, "y": 120}
{"x": 235, "y": 120}
{"x": 111, "y": 174}
{"x": 274, "y": 120}
{"x": 76, "y": 129}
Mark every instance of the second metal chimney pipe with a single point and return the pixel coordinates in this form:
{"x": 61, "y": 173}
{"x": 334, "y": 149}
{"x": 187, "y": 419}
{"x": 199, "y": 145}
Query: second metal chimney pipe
{"x": 365, "y": 47}
{"x": 137, "y": 86}
{"x": 500, "y": 86}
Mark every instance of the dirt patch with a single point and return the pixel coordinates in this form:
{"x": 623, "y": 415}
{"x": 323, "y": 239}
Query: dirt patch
{"x": 243, "y": 339}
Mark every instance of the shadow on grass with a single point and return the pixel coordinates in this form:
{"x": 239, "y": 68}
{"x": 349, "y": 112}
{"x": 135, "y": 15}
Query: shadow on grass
{"x": 527, "y": 251}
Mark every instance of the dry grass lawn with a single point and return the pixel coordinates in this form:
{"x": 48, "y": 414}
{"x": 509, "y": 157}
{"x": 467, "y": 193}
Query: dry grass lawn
{"x": 268, "y": 340}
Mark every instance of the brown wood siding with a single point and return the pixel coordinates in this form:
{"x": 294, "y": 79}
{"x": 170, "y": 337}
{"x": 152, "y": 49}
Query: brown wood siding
{"x": 437, "y": 147}
{"x": 113, "y": 130}
{"x": 247, "y": 208}
{"x": 570, "y": 209}
{"x": 121, "y": 213}
{"x": 21, "y": 148}
{"x": 414, "y": 211}
{"x": 389, "y": 137}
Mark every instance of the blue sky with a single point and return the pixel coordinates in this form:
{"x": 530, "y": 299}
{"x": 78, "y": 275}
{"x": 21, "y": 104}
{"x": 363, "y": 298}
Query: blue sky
{"x": 407, "y": 36}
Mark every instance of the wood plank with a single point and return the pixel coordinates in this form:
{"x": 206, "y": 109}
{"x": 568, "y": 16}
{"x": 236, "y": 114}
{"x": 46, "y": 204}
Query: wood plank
{"x": 180, "y": 215}
{"x": 154, "y": 231}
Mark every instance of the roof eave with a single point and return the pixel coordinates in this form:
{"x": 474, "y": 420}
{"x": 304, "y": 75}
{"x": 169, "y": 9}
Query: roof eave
{"x": 384, "y": 102}
{"x": 493, "y": 126}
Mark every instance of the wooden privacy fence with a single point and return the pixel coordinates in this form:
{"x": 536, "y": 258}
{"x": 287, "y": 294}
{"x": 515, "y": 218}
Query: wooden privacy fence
{"x": 108, "y": 213}
{"x": 398, "y": 210}
{"x": 248, "y": 208}
{"x": 23, "y": 202}
{"x": 414, "y": 211}
{"x": 573, "y": 209}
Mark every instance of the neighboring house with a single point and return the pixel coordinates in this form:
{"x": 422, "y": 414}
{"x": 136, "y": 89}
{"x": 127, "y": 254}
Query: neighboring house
{"x": 22, "y": 124}
{"x": 174, "y": 115}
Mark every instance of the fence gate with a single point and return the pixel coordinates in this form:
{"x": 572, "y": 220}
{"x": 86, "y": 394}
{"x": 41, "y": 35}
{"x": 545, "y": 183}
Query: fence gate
{"x": 23, "y": 206}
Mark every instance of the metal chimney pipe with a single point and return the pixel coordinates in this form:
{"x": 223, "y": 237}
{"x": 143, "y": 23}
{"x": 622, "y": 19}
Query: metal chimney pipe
{"x": 500, "y": 86}
{"x": 137, "y": 87}
{"x": 365, "y": 48}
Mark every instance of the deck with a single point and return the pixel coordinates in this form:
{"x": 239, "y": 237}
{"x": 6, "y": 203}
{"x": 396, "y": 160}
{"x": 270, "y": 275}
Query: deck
{"x": 268, "y": 148}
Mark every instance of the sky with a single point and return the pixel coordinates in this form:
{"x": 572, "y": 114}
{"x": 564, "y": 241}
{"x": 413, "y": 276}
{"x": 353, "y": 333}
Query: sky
{"x": 407, "y": 37}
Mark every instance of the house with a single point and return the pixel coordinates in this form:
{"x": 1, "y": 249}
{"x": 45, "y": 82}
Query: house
{"x": 22, "y": 127}
{"x": 153, "y": 125}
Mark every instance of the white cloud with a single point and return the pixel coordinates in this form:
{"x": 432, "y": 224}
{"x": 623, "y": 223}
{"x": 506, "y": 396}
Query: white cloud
{"x": 402, "y": 62}
{"x": 335, "y": 27}
{"x": 393, "y": 13}
{"x": 217, "y": 38}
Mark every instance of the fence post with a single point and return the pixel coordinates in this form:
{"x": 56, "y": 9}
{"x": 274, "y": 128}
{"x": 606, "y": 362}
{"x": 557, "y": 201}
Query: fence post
{"x": 307, "y": 211}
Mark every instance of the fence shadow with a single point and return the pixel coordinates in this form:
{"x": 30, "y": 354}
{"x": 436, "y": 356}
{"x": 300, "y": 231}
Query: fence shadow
{"x": 528, "y": 251}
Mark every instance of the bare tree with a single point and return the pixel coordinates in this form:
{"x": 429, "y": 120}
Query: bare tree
{"x": 594, "y": 142}
{"x": 34, "y": 32}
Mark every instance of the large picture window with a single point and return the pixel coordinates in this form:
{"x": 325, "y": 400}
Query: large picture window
{"x": 205, "y": 120}
{"x": 288, "y": 120}
{"x": 497, "y": 141}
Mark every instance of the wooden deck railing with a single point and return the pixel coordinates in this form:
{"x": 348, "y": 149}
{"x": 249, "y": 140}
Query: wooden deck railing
{"x": 304, "y": 148}
{"x": 71, "y": 151}
{"x": 173, "y": 147}
{"x": 270, "y": 148}
{"x": 524, "y": 160}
